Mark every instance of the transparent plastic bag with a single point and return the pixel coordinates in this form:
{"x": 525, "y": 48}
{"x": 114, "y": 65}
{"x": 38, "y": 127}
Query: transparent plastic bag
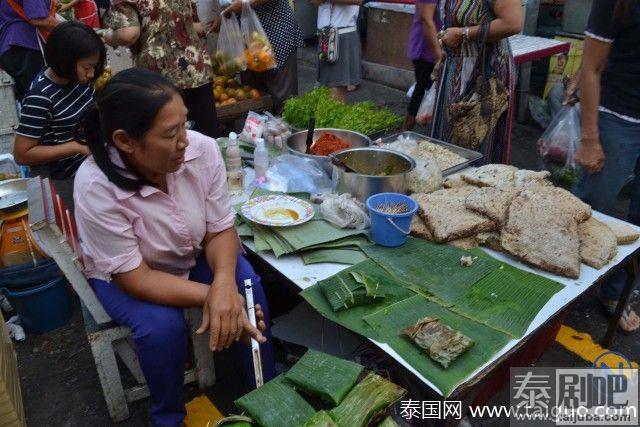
{"x": 425, "y": 178}
{"x": 229, "y": 58}
{"x": 9, "y": 169}
{"x": 253, "y": 128}
{"x": 296, "y": 174}
{"x": 558, "y": 144}
{"x": 425, "y": 112}
{"x": 344, "y": 211}
{"x": 258, "y": 51}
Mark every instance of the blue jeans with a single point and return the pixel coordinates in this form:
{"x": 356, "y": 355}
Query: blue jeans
{"x": 620, "y": 141}
{"x": 160, "y": 334}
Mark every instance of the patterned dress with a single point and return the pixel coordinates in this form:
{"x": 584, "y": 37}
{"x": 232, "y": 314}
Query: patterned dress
{"x": 281, "y": 27}
{"x": 458, "y": 69}
{"x": 168, "y": 43}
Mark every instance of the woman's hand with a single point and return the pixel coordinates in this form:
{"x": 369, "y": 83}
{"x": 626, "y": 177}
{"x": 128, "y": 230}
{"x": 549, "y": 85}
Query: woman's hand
{"x": 223, "y": 314}
{"x": 213, "y": 26}
{"x": 235, "y": 7}
{"x": 451, "y": 37}
{"x": 81, "y": 148}
{"x": 590, "y": 155}
{"x": 249, "y": 331}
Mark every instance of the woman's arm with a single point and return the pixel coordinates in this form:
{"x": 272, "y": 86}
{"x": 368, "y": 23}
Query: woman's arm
{"x": 223, "y": 311}
{"x": 508, "y": 22}
{"x": 45, "y": 24}
{"x": 161, "y": 288}
{"x": 69, "y": 5}
{"x": 126, "y": 36}
{"x": 27, "y": 151}
{"x": 426, "y": 13}
{"x": 594, "y": 59}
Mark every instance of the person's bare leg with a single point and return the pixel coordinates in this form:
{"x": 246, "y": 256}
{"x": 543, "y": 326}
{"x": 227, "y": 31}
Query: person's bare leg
{"x": 339, "y": 93}
{"x": 409, "y": 122}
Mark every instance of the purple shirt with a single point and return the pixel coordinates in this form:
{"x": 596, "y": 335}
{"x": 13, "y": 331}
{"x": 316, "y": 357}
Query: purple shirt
{"x": 15, "y": 31}
{"x": 418, "y": 46}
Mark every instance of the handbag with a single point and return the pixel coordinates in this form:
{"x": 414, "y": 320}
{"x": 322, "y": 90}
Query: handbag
{"x": 328, "y": 41}
{"x": 476, "y": 113}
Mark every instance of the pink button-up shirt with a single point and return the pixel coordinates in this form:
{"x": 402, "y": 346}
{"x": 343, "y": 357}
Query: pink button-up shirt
{"x": 119, "y": 229}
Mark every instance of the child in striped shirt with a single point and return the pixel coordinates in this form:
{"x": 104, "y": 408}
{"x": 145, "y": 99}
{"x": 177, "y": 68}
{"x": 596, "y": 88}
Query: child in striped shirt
{"x": 55, "y": 103}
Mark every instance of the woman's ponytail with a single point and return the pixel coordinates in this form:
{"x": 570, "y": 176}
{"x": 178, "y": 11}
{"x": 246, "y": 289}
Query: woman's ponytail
{"x": 130, "y": 101}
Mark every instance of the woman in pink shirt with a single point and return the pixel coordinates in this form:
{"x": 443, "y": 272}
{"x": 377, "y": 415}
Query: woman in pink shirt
{"x": 157, "y": 232}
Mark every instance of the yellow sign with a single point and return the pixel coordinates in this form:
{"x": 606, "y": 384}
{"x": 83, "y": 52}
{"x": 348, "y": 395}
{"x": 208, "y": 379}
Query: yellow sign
{"x": 564, "y": 65}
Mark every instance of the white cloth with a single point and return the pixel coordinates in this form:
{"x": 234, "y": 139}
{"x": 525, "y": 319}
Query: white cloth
{"x": 342, "y": 16}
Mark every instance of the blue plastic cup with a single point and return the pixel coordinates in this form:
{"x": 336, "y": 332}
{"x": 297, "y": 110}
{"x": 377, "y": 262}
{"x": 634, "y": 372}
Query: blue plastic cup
{"x": 388, "y": 229}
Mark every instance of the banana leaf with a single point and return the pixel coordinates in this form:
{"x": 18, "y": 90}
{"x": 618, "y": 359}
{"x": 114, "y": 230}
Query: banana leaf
{"x": 275, "y": 404}
{"x": 347, "y": 255}
{"x": 353, "y": 318}
{"x": 433, "y": 269}
{"x": 321, "y": 419}
{"x": 370, "y": 397}
{"x": 388, "y": 422}
{"x": 313, "y": 233}
{"x": 244, "y": 230}
{"x": 508, "y": 299}
{"x": 352, "y": 290}
{"x": 320, "y": 374}
{"x": 351, "y": 241}
{"x": 390, "y": 321}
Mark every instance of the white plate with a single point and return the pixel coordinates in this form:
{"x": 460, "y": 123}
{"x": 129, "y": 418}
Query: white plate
{"x": 277, "y": 210}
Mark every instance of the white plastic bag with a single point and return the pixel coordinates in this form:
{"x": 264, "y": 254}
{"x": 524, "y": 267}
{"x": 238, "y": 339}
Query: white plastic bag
{"x": 425, "y": 112}
{"x": 296, "y": 174}
{"x": 344, "y": 211}
{"x": 259, "y": 52}
{"x": 253, "y": 128}
{"x": 560, "y": 141}
{"x": 229, "y": 58}
{"x": 9, "y": 169}
{"x": 411, "y": 90}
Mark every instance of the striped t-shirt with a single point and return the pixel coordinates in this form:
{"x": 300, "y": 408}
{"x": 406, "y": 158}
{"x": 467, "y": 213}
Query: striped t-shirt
{"x": 50, "y": 113}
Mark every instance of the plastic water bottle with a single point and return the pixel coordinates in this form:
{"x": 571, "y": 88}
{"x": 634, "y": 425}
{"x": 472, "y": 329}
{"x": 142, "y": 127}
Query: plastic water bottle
{"x": 235, "y": 174}
{"x": 260, "y": 159}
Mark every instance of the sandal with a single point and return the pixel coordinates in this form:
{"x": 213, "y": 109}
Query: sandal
{"x": 610, "y": 307}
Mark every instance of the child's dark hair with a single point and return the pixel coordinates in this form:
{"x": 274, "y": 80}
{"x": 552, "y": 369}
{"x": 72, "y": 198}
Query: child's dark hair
{"x": 70, "y": 42}
{"x": 130, "y": 101}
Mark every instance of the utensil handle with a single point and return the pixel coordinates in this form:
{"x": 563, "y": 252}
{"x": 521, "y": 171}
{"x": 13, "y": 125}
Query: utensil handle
{"x": 397, "y": 227}
{"x": 255, "y": 346}
{"x": 310, "y": 131}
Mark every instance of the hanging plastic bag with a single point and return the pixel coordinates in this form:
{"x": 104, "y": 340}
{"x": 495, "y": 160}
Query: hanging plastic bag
{"x": 425, "y": 112}
{"x": 258, "y": 51}
{"x": 229, "y": 58}
{"x": 560, "y": 141}
{"x": 411, "y": 90}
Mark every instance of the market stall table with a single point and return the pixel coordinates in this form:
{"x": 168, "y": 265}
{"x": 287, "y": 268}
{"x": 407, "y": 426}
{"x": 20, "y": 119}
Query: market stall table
{"x": 304, "y": 276}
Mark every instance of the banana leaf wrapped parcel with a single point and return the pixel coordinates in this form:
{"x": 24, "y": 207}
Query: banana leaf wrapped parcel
{"x": 321, "y": 419}
{"x": 351, "y": 290}
{"x": 323, "y": 375}
{"x": 442, "y": 344}
{"x": 371, "y": 397}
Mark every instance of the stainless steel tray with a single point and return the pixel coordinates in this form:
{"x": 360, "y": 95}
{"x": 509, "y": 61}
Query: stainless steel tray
{"x": 470, "y": 155}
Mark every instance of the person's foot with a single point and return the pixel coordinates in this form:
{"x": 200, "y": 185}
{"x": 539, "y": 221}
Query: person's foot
{"x": 629, "y": 322}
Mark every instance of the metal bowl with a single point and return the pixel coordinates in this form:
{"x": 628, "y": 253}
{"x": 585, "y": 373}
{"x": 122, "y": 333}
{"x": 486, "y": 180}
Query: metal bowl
{"x": 379, "y": 171}
{"x": 13, "y": 193}
{"x": 297, "y": 143}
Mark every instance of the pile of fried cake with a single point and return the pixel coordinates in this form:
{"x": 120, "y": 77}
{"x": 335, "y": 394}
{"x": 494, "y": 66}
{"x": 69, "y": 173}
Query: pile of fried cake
{"x": 521, "y": 213}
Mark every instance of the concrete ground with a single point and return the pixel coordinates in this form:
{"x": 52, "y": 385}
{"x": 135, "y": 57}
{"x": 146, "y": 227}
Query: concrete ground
{"x": 59, "y": 382}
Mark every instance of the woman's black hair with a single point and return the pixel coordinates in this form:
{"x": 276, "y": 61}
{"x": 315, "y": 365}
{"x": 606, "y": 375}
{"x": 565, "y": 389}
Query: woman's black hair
{"x": 130, "y": 101}
{"x": 68, "y": 43}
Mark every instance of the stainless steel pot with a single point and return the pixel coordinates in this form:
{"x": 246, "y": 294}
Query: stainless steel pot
{"x": 296, "y": 143}
{"x": 13, "y": 194}
{"x": 379, "y": 171}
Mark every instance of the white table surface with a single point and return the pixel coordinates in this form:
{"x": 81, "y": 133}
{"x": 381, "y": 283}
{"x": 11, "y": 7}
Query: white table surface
{"x": 304, "y": 276}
